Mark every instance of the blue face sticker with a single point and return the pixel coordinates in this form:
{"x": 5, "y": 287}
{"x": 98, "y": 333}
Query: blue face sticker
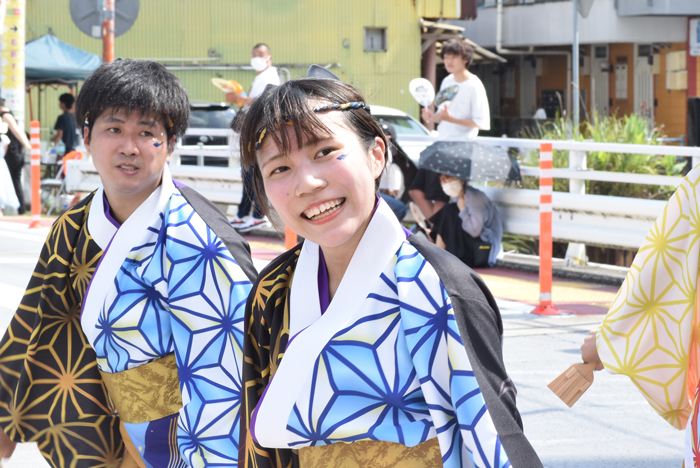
{"x": 342, "y": 156}
{"x": 157, "y": 143}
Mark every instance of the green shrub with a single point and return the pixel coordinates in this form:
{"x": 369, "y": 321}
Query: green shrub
{"x": 631, "y": 129}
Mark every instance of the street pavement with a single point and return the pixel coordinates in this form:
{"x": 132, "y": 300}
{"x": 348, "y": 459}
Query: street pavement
{"x": 610, "y": 426}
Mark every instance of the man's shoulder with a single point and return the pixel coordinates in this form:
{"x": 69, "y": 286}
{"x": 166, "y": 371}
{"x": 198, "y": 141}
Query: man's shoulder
{"x": 271, "y": 76}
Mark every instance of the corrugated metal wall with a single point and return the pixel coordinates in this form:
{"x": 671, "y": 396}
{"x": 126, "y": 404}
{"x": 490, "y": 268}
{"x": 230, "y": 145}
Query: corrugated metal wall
{"x": 297, "y": 31}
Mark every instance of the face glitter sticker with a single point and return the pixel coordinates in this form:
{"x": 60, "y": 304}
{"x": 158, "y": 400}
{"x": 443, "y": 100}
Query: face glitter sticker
{"x": 342, "y": 156}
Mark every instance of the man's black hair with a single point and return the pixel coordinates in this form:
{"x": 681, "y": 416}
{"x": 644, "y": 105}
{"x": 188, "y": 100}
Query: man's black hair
{"x": 460, "y": 48}
{"x": 134, "y": 85}
{"x": 262, "y": 44}
{"x": 67, "y": 99}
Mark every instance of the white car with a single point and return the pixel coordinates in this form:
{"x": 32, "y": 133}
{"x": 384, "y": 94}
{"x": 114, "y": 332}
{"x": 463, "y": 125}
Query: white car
{"x": 410, "y": 133}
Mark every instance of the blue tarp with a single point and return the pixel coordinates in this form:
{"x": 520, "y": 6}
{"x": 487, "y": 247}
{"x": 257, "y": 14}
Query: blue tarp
{"x": 50, "y": 60}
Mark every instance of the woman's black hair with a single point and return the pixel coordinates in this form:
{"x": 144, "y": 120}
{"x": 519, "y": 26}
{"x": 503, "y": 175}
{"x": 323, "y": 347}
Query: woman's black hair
{"x": 134, "y": 85}
{"x": 291, "y": 104}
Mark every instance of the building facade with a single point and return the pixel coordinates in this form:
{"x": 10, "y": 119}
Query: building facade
{"x": 375, "y": 45}
{"x": 635, "y": 56}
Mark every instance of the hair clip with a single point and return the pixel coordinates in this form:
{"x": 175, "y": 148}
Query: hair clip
{"x": 87, "y": 124}
{"x": 259, "y": 137}
{"x": 346, "y": 106}
{"x": 170, "y": 122}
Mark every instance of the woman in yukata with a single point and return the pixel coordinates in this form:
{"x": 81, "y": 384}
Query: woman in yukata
{"x": 364, "y": 345}
{"x": 126, "y": 348}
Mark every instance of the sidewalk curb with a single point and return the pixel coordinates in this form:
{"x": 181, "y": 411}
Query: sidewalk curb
{"x": 608, "y": 275}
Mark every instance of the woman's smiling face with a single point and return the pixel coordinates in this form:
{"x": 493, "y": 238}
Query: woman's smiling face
{"x": 325, "y": 190}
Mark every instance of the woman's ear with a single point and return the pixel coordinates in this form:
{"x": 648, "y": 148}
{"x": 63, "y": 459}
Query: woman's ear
{"x": 378, "y": 157}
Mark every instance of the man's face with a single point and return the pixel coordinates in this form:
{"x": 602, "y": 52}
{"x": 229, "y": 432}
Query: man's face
{"x": 454, "y": 63}
{"x": 262, "y": 52}
{"x": 129, "y": 151}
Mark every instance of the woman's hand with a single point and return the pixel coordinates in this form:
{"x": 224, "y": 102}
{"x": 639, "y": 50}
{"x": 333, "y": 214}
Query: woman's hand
{"x": 460, "y": 202}
{"x": 589, "y": 352}
{"x": 7, "y": 447}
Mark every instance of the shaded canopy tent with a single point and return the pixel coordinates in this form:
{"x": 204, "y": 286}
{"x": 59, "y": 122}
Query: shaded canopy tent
{"x": 51, "y": 62}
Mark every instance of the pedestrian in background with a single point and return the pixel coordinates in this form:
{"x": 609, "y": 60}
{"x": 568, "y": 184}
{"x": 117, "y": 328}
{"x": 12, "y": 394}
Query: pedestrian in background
{"x": 14, "y": 154}
{"x": 266, "y": 76}
{"x": 65, "y": 124}
{"x": 462, "y": 105}
{"x": 469, "y": 227}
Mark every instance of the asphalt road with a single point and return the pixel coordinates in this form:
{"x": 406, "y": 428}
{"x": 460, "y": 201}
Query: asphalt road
{"x": 610, "y": 426}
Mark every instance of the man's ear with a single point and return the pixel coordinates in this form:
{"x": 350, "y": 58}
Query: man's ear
{"x": 171, "y": 145}
{"x": 86, "y": 138}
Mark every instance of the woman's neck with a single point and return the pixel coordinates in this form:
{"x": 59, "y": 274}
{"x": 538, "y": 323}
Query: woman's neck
{"x": 338, "y": 258}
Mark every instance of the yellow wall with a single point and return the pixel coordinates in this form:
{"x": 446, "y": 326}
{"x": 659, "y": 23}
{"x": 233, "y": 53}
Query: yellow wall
{"x": 439, "y": 8}
{"x": 297, "y": 31}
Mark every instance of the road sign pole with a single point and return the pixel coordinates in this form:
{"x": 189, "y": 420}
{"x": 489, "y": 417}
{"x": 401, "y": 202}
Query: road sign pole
{"x": 108, "y": 31}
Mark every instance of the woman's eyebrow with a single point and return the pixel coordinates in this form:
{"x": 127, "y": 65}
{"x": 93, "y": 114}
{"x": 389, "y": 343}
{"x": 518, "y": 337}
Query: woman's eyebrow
{"x": 306, "y": 145}
{"x": 269, "y": 160}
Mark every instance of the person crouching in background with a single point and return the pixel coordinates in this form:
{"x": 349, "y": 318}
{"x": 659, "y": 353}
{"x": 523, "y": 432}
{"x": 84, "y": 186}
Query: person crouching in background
{"x": 469, "y": 227}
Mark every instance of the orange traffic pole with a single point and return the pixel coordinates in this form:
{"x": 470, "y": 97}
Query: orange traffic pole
{"x": 108, "y": 32}
{"x": 36, "y": 174}
{"x": 546, "y": 165}
{"x": 290, "y": 238}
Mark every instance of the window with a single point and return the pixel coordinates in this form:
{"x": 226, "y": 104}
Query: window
{"x": 644, "y": 50}
{"x": 601, "y": 52}
{"x": 375, "y": 39}
{"x": 403, "y": 125}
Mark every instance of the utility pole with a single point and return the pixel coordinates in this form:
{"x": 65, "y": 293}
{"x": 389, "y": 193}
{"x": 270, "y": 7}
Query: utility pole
{"x": 108, "y": 31}
{"x": 575, "y": 87}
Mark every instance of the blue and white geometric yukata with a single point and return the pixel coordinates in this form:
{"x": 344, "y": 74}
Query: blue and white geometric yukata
{"x": 386, "y": 361}
{"x": 167, "y": 284}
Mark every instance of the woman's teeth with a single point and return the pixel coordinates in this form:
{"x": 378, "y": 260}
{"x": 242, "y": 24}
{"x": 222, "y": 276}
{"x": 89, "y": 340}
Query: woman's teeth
{"x": 324, "y": 209}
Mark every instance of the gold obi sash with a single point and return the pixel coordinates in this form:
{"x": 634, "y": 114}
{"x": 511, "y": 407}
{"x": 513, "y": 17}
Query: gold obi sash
{"x": 147, "y": 392}
{"x": 372, "y": 453}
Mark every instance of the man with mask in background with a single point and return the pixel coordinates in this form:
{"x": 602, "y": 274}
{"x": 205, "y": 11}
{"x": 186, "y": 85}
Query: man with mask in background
{"x": 261, "y": 62}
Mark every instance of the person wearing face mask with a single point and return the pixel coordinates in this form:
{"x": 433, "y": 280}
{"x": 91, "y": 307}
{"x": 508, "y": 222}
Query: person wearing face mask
{"x": 266, "y": 75}
{"x": 470, "y": 228}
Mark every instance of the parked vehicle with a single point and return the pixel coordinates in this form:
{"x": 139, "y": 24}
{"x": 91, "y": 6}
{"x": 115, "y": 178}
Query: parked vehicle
{"x": 215, "y": 116}
{"x": 410, "y": 133}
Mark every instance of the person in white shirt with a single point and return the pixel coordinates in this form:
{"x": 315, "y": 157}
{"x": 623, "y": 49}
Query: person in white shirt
{"x": 267, "y": 75}
{"x": 462, "y": 105}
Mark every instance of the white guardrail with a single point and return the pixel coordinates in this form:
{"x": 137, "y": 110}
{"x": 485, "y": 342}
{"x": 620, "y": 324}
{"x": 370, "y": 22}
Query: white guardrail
{"x": 581, "y": 218}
